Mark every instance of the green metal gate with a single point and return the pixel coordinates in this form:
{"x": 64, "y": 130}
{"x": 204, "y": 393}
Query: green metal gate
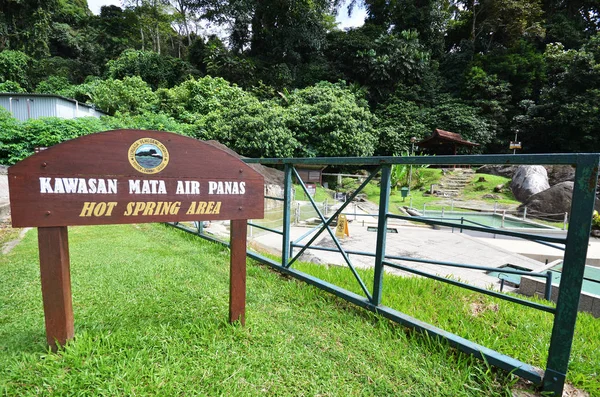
{"x": 575, "y": 245}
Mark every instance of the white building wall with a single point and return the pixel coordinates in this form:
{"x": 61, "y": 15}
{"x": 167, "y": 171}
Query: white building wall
{"x": 24, "y": 108}
{"x": 66, "y": 109}
{"x": 32, "y": 107}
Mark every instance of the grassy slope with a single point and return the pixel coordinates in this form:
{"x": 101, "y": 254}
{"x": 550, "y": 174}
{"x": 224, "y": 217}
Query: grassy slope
{"x": 150, "y": 312}
{"x": 473, "y": 192}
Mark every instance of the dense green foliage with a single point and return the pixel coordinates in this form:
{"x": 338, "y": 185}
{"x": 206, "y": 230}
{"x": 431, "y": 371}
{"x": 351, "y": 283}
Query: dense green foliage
{"x": 485, "y": 69}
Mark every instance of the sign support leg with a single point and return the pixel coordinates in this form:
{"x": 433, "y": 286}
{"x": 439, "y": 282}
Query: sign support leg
{"x": 237, "y": 272}
{"x": 53, "y": 243}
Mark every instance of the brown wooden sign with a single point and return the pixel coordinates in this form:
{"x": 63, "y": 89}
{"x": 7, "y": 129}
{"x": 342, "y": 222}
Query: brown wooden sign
{"x": 132, "y": 176}
{"x": 129, "y": 176}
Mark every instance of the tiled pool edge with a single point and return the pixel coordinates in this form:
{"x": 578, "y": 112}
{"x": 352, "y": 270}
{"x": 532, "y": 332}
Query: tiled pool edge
{"x": 531, "y": 286}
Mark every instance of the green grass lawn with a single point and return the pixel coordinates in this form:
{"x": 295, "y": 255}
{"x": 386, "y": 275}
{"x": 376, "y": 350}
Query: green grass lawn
{"x": 151, "y": 305}
{"x": 321, "y": 194}
{"x": 474, "y": 191}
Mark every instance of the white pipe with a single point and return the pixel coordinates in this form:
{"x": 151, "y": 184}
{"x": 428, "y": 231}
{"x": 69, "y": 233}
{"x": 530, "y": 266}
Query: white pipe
{"x": 10, "y": 105}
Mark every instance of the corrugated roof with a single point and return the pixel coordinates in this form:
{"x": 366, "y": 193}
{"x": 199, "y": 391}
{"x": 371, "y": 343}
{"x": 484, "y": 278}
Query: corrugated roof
{"x": 442, "y": 135}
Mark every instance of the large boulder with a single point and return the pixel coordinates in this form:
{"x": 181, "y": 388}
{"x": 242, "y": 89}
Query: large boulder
{"x": 560, "y": 173}
{"x": 529, "y": 180}
{"x": 506, "y": 171}
{"x": 550, "y": 204}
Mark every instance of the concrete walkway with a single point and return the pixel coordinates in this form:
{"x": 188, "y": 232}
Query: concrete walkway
{"x": 414, "y": 242}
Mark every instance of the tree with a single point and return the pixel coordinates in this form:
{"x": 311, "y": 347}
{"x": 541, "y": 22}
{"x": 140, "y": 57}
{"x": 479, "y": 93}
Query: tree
{"x": 453, "y": 115}
{"x": 567, "y": 117}
{"x": 488, "y": 23}
{"x": 153, "y": 21}
{"x": 399, "y": 121}
{"x": 14, "y": 66}
{"x": 329, "y": 120}
{"x": 114, "y": 31}
{"x": 150, "y": 66}
{"x": 426, "y": 17}
{"x": 25, "y": 25}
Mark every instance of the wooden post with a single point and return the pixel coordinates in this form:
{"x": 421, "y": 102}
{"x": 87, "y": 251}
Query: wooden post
{"x": 237, "y": 271}
{"x": 53, "y": 245}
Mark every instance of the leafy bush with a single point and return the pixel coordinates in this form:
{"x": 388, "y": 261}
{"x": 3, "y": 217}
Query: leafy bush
{"x": 398, "y": 122}
{"x": 11, "y": 86}
{"x": 18, "y": 140}
{"x": 148, "y": 121}
{"x": 193, "y": 98}
{"x": 130, "y": 95}
{"x": 53, "y": 85}
{"x": 14, "y": 66}
{"x": 251, "y": 128}
{"x": 329, "y": 120}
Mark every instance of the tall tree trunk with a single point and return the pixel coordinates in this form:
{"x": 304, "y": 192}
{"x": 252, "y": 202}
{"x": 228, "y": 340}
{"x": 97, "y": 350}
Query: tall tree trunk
{"x": 157, "y": 40}
{"x": 142, "y": 34}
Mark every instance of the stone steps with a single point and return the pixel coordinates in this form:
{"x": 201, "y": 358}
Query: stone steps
{"x": 453, "y": 182}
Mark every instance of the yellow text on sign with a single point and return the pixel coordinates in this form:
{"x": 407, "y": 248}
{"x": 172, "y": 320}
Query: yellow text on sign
{"x": 147, "y": 208}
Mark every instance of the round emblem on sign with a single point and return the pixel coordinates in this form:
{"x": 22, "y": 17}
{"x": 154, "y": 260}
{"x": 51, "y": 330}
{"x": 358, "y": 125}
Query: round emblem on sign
{"x": 147, "y": 155}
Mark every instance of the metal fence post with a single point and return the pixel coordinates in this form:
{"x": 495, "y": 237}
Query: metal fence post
{"x": 563, "y": 329}
{"x": 384, "y": 197}
{"x": 548, "y": 289}
{"x": 287, "y": 207}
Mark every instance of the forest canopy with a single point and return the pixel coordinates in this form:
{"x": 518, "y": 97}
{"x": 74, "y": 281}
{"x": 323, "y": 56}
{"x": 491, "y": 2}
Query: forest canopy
{"x": 279, "y": 78}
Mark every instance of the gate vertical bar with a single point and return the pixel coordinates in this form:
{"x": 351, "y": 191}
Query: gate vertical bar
{"x": 287, "y": 207}
{"x": 567, "y": 304}
{"x": 384, "y": 196}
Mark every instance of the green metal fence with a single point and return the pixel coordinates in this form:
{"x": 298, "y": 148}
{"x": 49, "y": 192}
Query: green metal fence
{"x": 575, "y": 245}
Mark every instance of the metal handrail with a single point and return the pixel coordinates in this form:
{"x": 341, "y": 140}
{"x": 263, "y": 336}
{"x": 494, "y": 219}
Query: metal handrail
{"x": 565, "y": 313}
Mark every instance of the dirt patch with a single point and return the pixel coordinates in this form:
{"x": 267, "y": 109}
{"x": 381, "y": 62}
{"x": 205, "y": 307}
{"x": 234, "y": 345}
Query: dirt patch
{"x": 524, "y": 388}
{"x": 478, "y": 308}
{"x": 10, "y": 237}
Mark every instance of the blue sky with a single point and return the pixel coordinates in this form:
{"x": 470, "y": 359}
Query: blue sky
{"x": 357, "y": 19}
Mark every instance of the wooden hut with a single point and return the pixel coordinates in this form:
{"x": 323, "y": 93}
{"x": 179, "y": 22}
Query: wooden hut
{"x": 445, "y": 143}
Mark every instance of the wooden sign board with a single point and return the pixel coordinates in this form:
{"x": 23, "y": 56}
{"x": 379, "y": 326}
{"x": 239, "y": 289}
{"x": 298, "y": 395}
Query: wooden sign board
{"x": 129, "y": 176}
{"x": 132, "y": 176}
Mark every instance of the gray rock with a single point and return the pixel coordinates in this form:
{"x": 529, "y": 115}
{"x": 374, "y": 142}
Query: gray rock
{"x": 499, "y": 188}
{"x": 560, "y": 173}
{"x": 491, "y": 196}
{"x": 551, "y": 203}
{"x": 529, "y": 180}
{"x": 506, "y": 171}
